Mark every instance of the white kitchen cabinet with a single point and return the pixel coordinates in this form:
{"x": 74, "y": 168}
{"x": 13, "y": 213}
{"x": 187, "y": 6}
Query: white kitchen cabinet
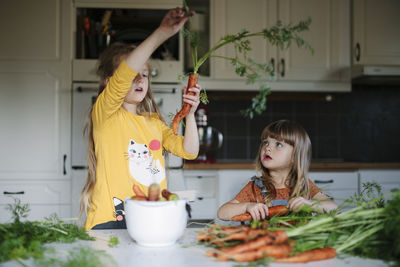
{"x": 230, "y": 182}
{"x": 376, "y": 35}
{"x": 35, "y": 90}
{"x": 329, "y": 35}
{"x": 204, "y": 182}
{"x": 35, "y": 101}
{"x": 43, "y": 196}
{"x": 388, "y": 179}
{"x": 338, "y": 185}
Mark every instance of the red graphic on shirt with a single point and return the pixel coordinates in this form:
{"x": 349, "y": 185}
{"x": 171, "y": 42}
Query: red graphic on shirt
{"x": 154, "y": 144}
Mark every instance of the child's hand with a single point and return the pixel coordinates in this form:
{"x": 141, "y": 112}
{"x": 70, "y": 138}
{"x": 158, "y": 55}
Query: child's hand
{"x": 297, "y": 203}
{"x": 193, "y": 100}
{"x": 258, "y": 211}
{"x": 174, "y": 20}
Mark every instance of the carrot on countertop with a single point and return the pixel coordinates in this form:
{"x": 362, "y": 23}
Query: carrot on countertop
{"x": 154, "y": 192}
{"x": 275, "y": 237}
{"x": 310, "y": 255}
{"x": 272, "y": 211}
{"x": 276, "y": 251}
{"x": 193, "y": 78}
{"x": 138, "y": 191}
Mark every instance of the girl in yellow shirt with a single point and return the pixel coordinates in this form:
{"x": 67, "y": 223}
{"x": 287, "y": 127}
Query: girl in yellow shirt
{"x": 127, "y": 134}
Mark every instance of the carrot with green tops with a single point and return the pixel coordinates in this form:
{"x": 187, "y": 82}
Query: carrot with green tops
{"x": 310, "y": 255}
{"x": 193, "y": 78}
{"x": 154, "y": 192}
{"x": 272, "y": 211}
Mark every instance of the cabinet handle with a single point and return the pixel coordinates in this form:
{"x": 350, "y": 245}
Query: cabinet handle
{"x": 199, "y": 176}
{"x": 273, "y": 66}
{"x": 14, "y": 193}
{"x": 324, "y": 182}
{"x": 282, "y": 67}
{"x": 64, "y": 162}
{"x": 200, "y": 198}
{"x": 358, "y": 52}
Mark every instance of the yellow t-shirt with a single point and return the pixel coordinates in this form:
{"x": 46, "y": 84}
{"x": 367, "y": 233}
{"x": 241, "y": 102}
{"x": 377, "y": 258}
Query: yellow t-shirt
{"x": 128, "y": 149}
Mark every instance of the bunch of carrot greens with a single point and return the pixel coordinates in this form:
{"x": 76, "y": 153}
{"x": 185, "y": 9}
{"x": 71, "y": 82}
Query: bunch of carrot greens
{"x": 369, "y": 229}
{"x": 27, "y": 239}
{"x": 279, "y": 35}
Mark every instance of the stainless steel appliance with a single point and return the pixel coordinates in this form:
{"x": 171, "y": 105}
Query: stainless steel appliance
{"x": 167, "y": 96}
{"x": 210, "y": 138}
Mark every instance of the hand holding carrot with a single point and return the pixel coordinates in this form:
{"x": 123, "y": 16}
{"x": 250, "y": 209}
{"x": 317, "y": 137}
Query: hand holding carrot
{"x": 299, "y": 202}
{"x": 258, "y": 211}
{"x": 191, "y": 96}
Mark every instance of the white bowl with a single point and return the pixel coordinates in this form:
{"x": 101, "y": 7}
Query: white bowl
{"x": 155, "y": 223}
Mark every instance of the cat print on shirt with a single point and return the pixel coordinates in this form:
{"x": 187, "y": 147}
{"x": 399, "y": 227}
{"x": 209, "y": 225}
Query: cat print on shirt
{"x": 143, "y": 168}
{"x": 119, "y": 209}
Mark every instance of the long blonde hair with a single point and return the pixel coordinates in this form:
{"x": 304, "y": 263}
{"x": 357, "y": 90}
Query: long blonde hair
{"x": 293, "y": 134}
{"x": 108, "y": 62}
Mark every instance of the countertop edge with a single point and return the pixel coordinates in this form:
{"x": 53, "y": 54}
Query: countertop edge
{"x": 315, "y": 166}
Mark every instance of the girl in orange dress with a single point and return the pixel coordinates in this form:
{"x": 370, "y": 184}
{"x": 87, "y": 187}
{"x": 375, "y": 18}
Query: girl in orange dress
{"x": 283, "y": 160}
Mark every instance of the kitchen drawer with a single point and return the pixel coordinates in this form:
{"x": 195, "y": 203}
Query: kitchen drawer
{"x": 204, "y": 208}
{"x": 37, "y": 212}
{"x": 388, "y": 179}
{"x": 339, "y": 196}
{"x": 204, "y": 182}
{"x": 380, "y": 176}
{"x": 335, "y": 180}
{"x": 36, "y": 192}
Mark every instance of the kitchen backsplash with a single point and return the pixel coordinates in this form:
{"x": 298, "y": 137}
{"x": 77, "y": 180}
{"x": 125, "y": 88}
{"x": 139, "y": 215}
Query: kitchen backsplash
{"x": 361, "y": 126}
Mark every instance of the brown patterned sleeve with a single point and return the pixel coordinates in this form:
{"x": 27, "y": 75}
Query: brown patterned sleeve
{"x": 246, "y": 194}
{"x": 313, "y": 188}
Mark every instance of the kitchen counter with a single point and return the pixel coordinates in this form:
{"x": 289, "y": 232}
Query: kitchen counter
{"x": 185, "y": 253}
{"x": 315, "y": 166}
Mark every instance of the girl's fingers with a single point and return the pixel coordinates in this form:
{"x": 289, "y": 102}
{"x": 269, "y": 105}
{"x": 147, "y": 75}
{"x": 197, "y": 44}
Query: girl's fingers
{"x": 262, "y": 213}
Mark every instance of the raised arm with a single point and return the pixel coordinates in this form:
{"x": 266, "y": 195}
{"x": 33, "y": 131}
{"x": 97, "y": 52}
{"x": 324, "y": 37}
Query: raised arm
{"x": 170, "y": 25}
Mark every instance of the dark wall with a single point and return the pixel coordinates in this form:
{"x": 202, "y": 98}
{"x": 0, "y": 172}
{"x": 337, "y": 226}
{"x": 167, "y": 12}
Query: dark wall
{"x": 360, "y": 126}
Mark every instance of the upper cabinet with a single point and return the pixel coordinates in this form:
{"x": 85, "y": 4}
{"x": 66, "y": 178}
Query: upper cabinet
{"x": 329, "y": 35}
{"x": 35, "y": 90}
{"x": 99, "y": 23}
{"x": 376, "y": 34}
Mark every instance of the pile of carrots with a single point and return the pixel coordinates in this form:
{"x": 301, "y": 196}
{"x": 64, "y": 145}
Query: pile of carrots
{"x": 153, "y": 194}
{"x": 243, "y": 243}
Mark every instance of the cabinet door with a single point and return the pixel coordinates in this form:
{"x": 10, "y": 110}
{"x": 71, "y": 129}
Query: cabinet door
{"x": 338, "y": 185}
{"x": 230, "y": 17}
{"x": 43, "y": 196}
{"x": 329, "y": 35}
{"x": 35, "y": 89}
{"x": 388, "y": 179}
{"x": 376, "y": 36}
{"x": 230, "y": 182}
{"x": 204, "y": 183}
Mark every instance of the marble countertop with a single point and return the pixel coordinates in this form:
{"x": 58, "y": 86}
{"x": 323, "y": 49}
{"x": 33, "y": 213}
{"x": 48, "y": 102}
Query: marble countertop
{"x": 184, "y": 253}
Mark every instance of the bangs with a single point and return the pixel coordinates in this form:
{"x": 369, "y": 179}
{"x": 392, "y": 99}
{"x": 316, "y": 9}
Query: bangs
{"x": 279, "y": 131}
